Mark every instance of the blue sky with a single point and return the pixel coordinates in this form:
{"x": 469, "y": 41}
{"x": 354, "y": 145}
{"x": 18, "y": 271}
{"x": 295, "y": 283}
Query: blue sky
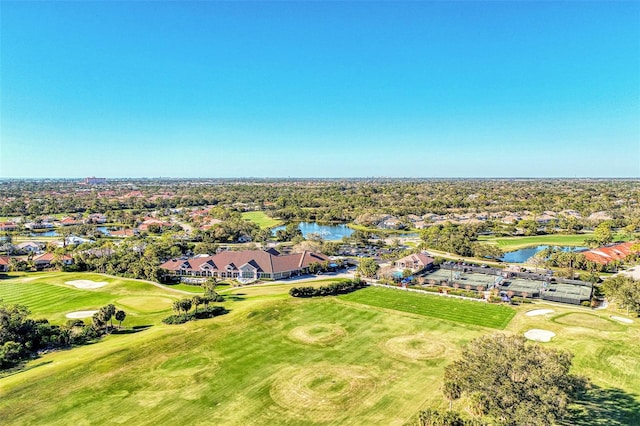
{"x": 320, "y": 89}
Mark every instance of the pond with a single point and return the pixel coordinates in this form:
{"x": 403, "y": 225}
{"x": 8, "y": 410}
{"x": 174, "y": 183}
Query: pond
{"x": 53, "y": 233}
{"x": 327, "y": 232}
{"x": 522, "y": 255}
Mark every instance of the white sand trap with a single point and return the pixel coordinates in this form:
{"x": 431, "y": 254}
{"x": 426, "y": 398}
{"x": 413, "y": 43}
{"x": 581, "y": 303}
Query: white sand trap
{"x": 80, "y": 314}
{"x": 622, "y": 319}
{"x": 86, "y": 284}
{"x": 538, "y": 312}
{"x": 538, "y": 335}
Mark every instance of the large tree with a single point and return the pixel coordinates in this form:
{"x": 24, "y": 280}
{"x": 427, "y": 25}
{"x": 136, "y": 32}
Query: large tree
{"x": 512, "y": 381}
{"x": 368, "y": 267}
{"x": 624, "y": 291}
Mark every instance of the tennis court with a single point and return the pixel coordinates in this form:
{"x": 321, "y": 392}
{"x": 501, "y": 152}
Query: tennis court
{"x": 567, "y": 293}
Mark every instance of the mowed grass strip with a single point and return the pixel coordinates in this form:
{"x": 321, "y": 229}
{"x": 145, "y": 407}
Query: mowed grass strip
{"x": 457, "y": 310}
{"x": 44, "y": 298}
{"x": 516, "y": 243}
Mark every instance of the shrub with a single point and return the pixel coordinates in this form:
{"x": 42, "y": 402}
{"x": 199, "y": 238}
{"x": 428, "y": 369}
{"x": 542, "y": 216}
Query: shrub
{"x": 209, "y": 312}
{"x": 328, "y": 290}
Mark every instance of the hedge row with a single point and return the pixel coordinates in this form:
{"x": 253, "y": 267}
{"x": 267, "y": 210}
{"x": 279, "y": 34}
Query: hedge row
{"x": 210, "y": 312}
{"x": 328, "y": 290}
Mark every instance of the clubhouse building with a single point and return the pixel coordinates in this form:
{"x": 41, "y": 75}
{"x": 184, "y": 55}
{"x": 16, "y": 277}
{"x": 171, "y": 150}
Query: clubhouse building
{"x": 245, "y": 266}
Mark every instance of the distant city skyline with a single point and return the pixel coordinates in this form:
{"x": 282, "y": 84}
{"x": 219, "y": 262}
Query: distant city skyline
{"x": 319, "y": 89}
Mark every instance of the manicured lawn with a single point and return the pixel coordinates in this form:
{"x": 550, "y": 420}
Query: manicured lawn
{"x": 261, "y": 219}
{"x": 47, "y": 295}
{"x": 381, "y": 231}
{"x": 279, "y": 360}
{"x": 242, "y": 368}
{"x": 516, "y": 243}
{"x": 450, "y": 309}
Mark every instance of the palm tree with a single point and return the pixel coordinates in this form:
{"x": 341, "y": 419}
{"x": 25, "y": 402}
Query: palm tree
{"x": 120, "y": 316}
{"x": 197, "y": 301}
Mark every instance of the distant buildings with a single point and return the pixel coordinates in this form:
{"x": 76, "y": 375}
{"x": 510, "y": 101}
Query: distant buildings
{"x": 94, "y": 181}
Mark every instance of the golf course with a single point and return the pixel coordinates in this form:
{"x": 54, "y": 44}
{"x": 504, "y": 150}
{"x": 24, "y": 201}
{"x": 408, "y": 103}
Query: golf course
{"x": 374, "y": 356}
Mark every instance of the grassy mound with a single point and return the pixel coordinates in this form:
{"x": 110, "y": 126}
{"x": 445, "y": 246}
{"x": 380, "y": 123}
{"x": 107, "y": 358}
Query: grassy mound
{"x": 322, "y": 391}
{"x": 415, "y": 347}
{"x": 318, "y": 334}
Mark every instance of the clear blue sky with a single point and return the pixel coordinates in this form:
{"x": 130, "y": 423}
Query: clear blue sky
{"x": 320, "y": 89}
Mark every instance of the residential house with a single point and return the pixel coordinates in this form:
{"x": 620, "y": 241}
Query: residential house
{"x": 415, "y": 262}
{"x": 600, "y": 216}
{"x": 124, "y": 233}
{"x": 545, "y": 218}
{"x": 45, "y": 260}
{"x": 8, "y": 226}
{"x": 69, "y": 221}
{"x": 148, "y": 221}
{"x": 4, "y": 263}
{"x": 30, "y": 247}
{"x": 245, "y": 266}
{"x": 97, "y": 218}
{"x": 39, "y": 225}
{"x": 73, "y": 240}
{"x": 390, "y": 222}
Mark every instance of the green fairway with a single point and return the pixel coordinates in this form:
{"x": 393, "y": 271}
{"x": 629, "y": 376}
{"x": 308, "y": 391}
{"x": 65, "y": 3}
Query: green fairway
{"x": 450, "y": 309}
{"x": 261, "y": 219}
{"x": 516, "y": 243}
{"x": 50, "y": 296}
{"x": 275, "y": 359}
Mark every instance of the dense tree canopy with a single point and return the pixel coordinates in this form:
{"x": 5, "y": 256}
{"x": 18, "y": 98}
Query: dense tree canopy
{"x": 624, "y": 291}
{"x": 512, "y": 381}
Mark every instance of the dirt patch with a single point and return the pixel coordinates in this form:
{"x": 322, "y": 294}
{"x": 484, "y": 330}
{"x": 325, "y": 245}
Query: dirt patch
{"x": 86, "y": 284}
{"x": 318, "y": 334}
{"x": 415, "y": 347}
{"x": 538, "y": 312}
{"x": 80, "y": 314}
{"x": 325, "y": 391}
{"x": 538, "y": 335}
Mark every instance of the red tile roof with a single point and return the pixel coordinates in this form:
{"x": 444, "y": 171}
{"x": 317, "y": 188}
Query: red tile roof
{"x": 49, "y": 257}
{"x": 4, "y": 260}
{"x": 604, "y": 255}
{"x": 123, "y": 233}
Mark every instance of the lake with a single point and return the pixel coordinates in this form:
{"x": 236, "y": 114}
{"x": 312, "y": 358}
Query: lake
{"x": 53, "y": 233}
{"x": 327, "y": 232}
{"x": 522, "y": 255}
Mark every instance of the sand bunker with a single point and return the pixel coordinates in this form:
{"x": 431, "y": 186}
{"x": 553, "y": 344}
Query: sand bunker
{"x": 415, "y": 347}
{"x": 622, "y": 319}
{"x": 322, "y": 390}
{"x": 318, "y": 334}
{"x": 80, "y": 314}
{"x": 538, "y": 335}
{"x": 86, "y": 284}
{"x": 538, "y": 312}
